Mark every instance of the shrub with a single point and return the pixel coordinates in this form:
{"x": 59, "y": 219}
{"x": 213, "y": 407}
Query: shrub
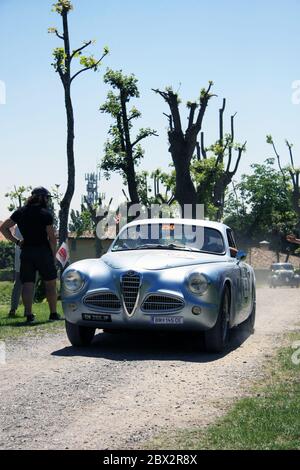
{"x": 7, "y": 255}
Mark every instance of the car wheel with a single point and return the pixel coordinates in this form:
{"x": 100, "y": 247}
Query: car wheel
{"x": 216, "y": 338}
{"x": 248, "y": 325}
{"x": 79, "y": 335}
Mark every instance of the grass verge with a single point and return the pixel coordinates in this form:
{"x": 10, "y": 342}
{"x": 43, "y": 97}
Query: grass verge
{"x": 13, "y": 327}
{"x": 269, "y": 420}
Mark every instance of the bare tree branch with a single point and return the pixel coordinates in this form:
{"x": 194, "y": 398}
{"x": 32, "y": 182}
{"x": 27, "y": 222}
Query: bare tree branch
{"x": 192, "y": 114}
{"x": 60, "y": 36}
{"x": 203, "y": 150}
{"x": 80, "y": 49}
{"x": 89, "y": 68}
{"x": 169, "y": 116}
{"x": 291, "y": 153}
{"x": 278, "y": 158}
{"x": 126, "y": 197}
{"x": 240, "y": 153}
{"x": 171, "y": 98}
{"x": 221, "y": 121}
{"x": 141, "y": 137}
{"x": 203, "y": 106}
{"x": 198, "y": 150}
{"x": 232, "y": 140}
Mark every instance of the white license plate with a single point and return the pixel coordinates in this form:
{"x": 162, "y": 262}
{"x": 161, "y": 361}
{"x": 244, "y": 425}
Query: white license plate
{"x": 167, "y": 320}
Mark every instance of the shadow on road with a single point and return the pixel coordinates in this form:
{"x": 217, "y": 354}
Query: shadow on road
{"x": 133, "y": 346}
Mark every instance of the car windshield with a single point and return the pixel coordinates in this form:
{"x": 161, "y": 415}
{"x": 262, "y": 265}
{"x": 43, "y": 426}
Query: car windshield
{"x": 282, "y": 267}
{"x": 170, "y": 236}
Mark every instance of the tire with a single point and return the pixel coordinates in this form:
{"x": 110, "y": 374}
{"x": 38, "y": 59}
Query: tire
{"x": 248, "y": 325}
{"x": 79, "y": 335}
{"x": 216, "y": 338}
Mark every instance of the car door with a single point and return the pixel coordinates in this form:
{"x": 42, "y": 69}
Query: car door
{"x": 243, "y": 294}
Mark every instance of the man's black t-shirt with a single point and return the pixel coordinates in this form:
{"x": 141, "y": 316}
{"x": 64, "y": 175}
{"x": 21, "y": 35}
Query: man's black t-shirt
{"x": 32, "y": 222}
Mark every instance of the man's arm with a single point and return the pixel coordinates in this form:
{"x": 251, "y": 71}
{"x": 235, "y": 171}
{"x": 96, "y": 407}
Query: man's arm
{"x": 52, "y": 238}
{"x": 293, "y": 239}
{"x": 5, "y": 230}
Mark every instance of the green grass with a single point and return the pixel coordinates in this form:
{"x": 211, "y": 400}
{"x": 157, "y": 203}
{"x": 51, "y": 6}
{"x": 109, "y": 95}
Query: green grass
{"x": 269, "y": 420}
{"x": 5, "y": 292}
{"x": 13, "y": 327}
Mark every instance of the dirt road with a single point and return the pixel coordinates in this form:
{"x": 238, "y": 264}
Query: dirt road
{"x": 126, "y": 388}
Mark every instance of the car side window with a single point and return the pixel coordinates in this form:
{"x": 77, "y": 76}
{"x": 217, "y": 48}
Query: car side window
{"x": 231, "y": 240}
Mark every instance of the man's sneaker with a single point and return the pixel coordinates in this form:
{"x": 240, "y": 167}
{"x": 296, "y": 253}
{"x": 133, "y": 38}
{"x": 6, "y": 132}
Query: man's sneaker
{"x": 30, "y": 319}
{"x": 54, "y": 317}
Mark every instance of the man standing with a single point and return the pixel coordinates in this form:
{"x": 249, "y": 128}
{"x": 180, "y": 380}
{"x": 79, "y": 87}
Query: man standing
{"x": 38, "y": 249}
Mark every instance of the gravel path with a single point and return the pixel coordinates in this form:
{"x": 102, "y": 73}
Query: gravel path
{"x": 124, "y": 389}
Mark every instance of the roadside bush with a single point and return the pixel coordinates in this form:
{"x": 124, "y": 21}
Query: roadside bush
{"x": 7, "y": 255}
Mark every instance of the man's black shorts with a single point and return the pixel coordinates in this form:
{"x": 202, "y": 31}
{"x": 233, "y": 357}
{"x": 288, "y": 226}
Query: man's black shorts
{"x": 37, "y": 258}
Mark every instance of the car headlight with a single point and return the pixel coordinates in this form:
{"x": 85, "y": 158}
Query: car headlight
{"x": 73, "y": 281}
{"x": 198, "y": 283}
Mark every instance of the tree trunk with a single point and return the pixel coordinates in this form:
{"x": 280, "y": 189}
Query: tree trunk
{"x": 296, "y": 205}
{"x": 66, "y": 201}
{"x": 180, "y": 149}
{"x": 130, "y": 173}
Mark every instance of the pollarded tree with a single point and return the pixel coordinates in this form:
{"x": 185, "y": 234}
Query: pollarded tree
{"x": 183, "y": 142}
{"x": 63, "y": 59}
{"x": 294, "y": 176}
{"x": 261, "y": 205}
{"x": 218, "y": 170}
{"x": 123, "y": 152}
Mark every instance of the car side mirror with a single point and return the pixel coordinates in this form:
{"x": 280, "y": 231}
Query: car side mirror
{"x": 241, "y": 255}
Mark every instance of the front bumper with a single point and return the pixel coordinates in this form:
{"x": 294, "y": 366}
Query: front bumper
{"x": 183, "y": 319}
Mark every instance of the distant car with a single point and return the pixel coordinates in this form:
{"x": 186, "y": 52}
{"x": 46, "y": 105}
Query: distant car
{"x": 162, "y": 274}
{"x": 283, "y": 274}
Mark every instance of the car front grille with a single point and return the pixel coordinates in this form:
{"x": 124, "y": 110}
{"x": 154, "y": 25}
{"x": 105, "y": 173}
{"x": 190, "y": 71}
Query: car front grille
{"x": 130, "y": 285}
{"x": 162, "y": 303}
{"x": 286, "y": 276}
{"x": 107, "y": 301}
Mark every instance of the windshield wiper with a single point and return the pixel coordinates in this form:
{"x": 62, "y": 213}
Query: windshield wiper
{"x": 149, "y": 246}
{"x": 170, "y": 246}
{"x": 176, "y": 246}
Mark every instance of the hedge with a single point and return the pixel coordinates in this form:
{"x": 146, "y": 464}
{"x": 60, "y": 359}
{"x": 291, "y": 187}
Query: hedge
{"x": 7, "y": 255}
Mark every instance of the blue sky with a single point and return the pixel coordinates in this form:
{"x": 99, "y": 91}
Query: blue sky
{"x": 250, "y": 49}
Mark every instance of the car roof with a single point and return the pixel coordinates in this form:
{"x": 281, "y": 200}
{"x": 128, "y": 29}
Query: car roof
{"x": 198, "y": 222}
{"x": 280, "y": 264}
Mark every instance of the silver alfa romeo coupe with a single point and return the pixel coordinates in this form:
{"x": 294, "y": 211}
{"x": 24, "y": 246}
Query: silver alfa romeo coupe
{"x": 162, "y": 274}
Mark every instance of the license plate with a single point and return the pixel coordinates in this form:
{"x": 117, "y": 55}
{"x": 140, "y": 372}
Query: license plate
{"x": 167, "y": 320}
{"x": 96, "y": 317}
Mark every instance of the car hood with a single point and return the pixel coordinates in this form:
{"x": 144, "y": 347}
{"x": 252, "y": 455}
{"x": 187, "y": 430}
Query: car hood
{"x": 157, "y": 259}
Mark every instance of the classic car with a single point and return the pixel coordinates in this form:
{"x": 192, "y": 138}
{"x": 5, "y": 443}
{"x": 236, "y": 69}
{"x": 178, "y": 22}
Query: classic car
{"x": 162, "y": 274}
{"x": 283, "y": 274}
